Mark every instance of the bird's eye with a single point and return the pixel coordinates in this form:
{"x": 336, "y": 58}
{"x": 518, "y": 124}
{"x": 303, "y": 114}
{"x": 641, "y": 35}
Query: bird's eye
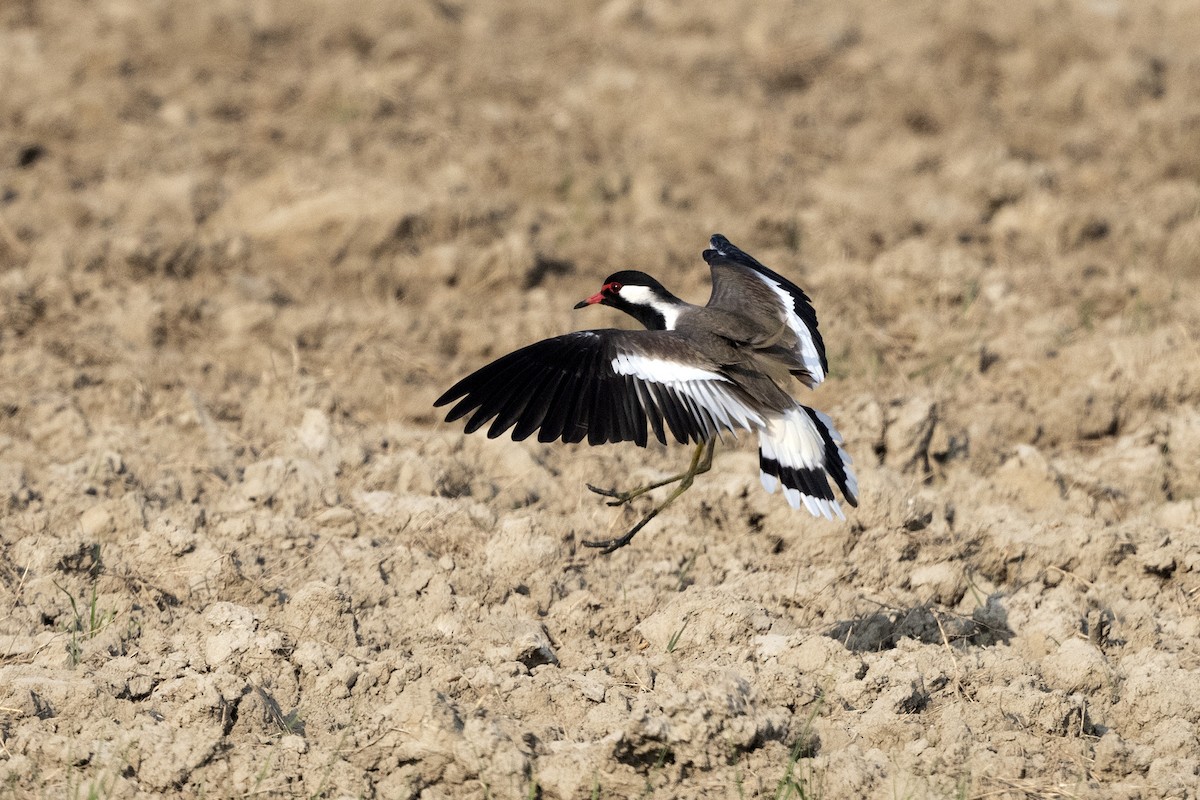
{"x": 615, "y": 287}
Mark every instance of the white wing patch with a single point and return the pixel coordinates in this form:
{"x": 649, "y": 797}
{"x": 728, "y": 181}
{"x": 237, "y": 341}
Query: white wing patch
{"x": 706, "y": 395}
{"x": 661, "y": 370}
{"x": 793, "y": 441}
{"x": 807, "y": 348}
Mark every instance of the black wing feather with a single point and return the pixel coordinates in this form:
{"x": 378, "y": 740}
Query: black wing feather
{"x": 646, "y": 398}
{"x": 568, "y": 388}
{"x": 675, "y": 417}
{"x": 635, "y": 418}
{"x": 522, "y": 393}
{"x": 556, "y": 415}
{"x": 578, "y": 421}
{"x": 539, "y": 405}
{"x": 518, "y": 393}
{"x": 833, "y": 460}
{"x": 563, "y": 387}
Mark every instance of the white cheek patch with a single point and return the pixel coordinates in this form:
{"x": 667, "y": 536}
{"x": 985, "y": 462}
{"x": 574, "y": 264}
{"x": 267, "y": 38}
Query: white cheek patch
{"x": 639, "y": 295}
{"x": 642, "y": 296}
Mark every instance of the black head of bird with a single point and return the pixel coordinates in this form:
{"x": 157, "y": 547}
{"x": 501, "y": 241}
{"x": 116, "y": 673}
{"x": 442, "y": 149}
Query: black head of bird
{"x": 640, "y": 296}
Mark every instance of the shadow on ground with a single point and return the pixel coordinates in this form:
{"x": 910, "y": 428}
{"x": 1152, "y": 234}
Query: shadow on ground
{"x": 881, "y": 630}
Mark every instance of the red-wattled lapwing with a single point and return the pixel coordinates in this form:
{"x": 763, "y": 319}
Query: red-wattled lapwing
{"x": 697, "y": 371}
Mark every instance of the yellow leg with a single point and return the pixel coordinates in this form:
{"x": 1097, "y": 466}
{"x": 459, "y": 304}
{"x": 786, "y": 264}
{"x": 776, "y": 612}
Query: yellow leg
{"x": 697, "y": 467}
{"x": 692, "y": 471}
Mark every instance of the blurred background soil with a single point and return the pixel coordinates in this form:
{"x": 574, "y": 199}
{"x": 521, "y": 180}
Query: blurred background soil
{"x": 244, "y": 245}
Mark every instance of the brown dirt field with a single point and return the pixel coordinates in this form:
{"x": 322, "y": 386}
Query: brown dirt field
{"x": 244, "y": 245}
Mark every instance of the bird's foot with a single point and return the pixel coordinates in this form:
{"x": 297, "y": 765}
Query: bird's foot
{"x": 684, "y": 479}
{"x": 607, "y": 546}
{"x": 619, "y": 498}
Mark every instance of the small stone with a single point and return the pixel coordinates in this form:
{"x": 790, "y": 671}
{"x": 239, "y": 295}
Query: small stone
{"x": 592, "y": 688}
{"x": 909, "y": 431}
{"x": 140, "y": 686}
{"x": 294, "y": 743}
{"x": 1160, "y": 561}
{"x": 337, "y": 518}
{"x": 314, "y": 432}
{"x": 942, "y": 583}
{"x": 96, "y": 522}
{"x": 1111, "y": 755}
{"x": 770, "y": 645}
{"x": 1077, "y": 667}
{"x": 234, "y": 632}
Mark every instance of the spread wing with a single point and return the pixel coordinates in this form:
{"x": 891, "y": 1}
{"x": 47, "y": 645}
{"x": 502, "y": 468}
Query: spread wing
{"x": 603, "y": 386}
{"x": 741, "y": 282}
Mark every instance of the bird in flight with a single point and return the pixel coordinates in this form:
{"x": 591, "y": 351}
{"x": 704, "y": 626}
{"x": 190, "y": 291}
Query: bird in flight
{"x": 695, "y": 373}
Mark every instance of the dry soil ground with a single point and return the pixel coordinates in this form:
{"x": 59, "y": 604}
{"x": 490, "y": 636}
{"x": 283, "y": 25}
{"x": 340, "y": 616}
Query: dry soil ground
{"x": 244, "y": 245}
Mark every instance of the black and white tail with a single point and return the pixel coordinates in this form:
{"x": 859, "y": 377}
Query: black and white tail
{"x": 799, "y": 448}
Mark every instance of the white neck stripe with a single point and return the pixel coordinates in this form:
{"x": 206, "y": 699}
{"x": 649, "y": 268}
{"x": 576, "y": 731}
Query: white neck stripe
{"x": 643, "y": 296}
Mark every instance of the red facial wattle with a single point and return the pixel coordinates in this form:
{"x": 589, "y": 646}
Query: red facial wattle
{"x": 606, "y": 291}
